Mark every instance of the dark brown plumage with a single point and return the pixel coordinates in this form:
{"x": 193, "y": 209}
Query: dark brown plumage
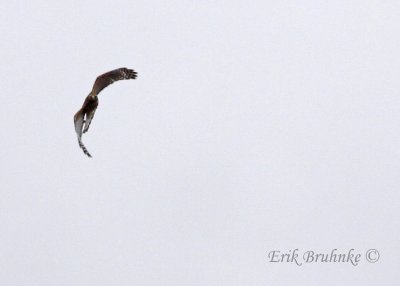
{"x": 85, "y": 115}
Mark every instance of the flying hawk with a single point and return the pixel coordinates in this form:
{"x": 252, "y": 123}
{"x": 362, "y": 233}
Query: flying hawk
{"x": 84, "y": 116}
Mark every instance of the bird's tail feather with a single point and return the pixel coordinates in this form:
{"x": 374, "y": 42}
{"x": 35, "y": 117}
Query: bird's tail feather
{"x": 83, "y": 147}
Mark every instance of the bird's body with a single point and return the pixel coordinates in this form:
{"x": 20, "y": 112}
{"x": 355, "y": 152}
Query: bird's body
{"x": 84, "y": 116}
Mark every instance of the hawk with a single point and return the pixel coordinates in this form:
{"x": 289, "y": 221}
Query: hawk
{"x": 84, "y": 116}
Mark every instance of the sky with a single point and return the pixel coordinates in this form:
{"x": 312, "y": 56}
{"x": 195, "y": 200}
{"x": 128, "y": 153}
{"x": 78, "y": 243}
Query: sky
{"x": 253, "y": 126}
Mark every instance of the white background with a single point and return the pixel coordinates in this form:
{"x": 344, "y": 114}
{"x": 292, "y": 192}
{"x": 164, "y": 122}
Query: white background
{"x": 253, "y": 126}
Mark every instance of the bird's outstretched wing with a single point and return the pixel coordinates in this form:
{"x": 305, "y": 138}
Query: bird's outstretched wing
{"x": 108, "y": 78}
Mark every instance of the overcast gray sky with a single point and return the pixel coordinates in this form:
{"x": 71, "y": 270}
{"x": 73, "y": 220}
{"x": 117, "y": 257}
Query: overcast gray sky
{"x": 253, "y": 126}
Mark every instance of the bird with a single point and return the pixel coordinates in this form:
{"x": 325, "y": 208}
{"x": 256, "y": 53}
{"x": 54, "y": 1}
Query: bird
{"x": 85, "y": 114}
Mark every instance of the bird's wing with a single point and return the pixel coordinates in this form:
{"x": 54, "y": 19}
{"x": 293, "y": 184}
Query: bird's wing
{"x": 88, "y": 120}
{"x": 108, "y": 78}
{"x": 78, "y": 121}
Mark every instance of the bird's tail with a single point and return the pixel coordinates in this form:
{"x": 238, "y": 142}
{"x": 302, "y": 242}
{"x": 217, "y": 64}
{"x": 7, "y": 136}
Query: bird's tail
{"x": 83, "y": 147}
